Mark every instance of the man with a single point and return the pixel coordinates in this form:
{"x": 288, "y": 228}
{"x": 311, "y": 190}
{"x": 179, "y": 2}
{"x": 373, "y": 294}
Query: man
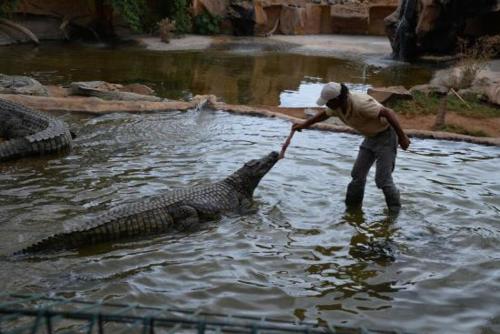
{"x": 382, "y": 132}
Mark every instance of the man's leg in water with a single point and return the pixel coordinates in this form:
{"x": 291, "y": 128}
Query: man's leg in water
{"x": 386, "y": 161}
{"x": 356, "y": 188}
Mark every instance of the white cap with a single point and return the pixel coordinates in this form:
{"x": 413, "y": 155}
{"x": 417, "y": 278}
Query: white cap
{"x": 330, "y": 91}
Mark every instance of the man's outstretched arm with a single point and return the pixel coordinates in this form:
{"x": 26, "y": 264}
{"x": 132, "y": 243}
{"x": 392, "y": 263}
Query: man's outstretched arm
{"x": 320, "y": 116}
{"x": 391, "y": 117}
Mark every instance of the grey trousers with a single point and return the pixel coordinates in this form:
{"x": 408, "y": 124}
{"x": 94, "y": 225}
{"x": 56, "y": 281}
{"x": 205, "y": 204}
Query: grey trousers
{"x": 381, "y": 149}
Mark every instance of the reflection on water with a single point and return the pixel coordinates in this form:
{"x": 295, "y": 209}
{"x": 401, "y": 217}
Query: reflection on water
{"x": 299, "y": 255}
{"x": 237, "y": 77}
{"x": 308, "y": 92}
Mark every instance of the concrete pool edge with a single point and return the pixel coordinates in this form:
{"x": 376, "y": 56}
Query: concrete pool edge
{"x": 96, "y": 106}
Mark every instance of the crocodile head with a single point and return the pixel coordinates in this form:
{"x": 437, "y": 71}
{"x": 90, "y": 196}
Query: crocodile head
{"x": 247, "y": 178}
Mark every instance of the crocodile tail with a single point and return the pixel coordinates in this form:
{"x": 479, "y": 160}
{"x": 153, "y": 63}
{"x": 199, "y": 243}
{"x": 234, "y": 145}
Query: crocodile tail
{"x": 67, "y": 241}
{"x": 53, "y": 243}
{"x": 55, "y": 138}
{"x": 14, "y": 148}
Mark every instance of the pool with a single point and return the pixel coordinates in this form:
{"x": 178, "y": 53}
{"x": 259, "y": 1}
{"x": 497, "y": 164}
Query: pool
{"x": 299, "y": 255}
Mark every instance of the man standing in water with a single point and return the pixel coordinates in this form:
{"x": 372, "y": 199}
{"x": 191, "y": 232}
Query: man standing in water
{"x": 382, "y": 132}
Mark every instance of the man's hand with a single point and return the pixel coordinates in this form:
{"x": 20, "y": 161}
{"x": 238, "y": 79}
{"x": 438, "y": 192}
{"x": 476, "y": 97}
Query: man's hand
{"x": 298, "y": 126}
{"x": 404, "y": 142}
{"x": 391, "y": 117}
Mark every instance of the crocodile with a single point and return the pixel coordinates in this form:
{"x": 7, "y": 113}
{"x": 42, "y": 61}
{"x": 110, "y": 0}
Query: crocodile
{"x": 29, "y": 132}
{"x": 177, "y": 210}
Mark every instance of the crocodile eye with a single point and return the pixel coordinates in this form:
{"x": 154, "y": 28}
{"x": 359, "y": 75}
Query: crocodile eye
{"x": 252, "y": 163}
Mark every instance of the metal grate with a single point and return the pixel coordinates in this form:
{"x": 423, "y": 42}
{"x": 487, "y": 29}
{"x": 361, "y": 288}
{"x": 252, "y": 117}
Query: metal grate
{"x": 22, "y": 313}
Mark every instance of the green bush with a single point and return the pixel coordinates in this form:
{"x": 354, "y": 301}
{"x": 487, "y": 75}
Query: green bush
{"x": 133, "y": 11}
{"x": 180, "y": 14}
{"x": 175, "y": 10}
{"x": 207, "y": 24}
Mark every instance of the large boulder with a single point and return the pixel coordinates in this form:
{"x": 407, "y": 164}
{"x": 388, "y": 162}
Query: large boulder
{"x": 433, "y": 26}
{"x": 386, "y": 94}
{"x": 56, "y": 19}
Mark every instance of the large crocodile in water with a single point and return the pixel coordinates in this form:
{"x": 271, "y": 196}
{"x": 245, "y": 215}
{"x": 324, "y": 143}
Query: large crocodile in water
{"x": 174, "y": 211}
{"x": 29, "y": 132}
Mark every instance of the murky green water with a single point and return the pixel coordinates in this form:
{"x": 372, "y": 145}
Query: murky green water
{"x": 299, "y": 256}
{"x": 237, "y": 76}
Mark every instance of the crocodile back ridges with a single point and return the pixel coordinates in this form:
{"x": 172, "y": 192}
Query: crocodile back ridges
{"x": 155, "y": 215}
{"x": 13, "y": 148}
{"x": 206, "y": 199}
{"x": 43, "y": 133}
{"x": 30, "y": 120}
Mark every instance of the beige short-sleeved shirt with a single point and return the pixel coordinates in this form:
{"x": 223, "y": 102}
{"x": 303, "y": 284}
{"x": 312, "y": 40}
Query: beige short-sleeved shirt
{"x": 362, "y": 114}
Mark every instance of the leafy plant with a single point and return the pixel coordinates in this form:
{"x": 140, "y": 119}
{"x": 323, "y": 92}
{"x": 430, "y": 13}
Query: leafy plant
{"x": 175, "y": 10}
{"x": 473, "y": 59}
{"x": 207, "y": 24}
{"x": 133, "y": 11}
{"x": 180, "y": 14}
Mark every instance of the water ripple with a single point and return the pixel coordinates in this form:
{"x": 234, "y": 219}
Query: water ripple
{"x": 299, "y": 255}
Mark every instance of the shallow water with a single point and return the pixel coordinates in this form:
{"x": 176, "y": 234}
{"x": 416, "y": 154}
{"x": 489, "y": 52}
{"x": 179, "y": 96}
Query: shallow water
{"x": 299, "y": 256}
{"x": 240, "y": 74}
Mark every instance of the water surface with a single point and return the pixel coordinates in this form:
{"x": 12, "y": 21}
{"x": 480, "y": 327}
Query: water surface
{"x": 434, "y": 269}
{"x": 239, "y": 74}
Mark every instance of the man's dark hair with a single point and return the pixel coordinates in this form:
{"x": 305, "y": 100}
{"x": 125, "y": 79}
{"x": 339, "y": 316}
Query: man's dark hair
{"x": 343, "y": 92}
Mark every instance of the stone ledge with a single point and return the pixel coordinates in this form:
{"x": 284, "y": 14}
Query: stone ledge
{"x": 97, "y": 106}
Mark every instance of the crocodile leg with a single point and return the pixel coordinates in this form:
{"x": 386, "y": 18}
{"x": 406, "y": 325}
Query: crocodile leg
{"x": 185, "y": 217}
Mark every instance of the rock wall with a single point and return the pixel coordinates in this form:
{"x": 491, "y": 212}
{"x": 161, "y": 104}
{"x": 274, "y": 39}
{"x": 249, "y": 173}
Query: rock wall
{"x": 433, "y": 26}
{"x": 59, "y": 20}
{"x": 299, "y": 17}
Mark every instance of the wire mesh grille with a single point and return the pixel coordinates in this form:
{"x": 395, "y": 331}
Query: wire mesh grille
{"x": 32, "y": 313}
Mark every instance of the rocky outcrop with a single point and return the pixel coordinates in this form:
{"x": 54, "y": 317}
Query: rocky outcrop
{"x": 432, "y": 26}
{"x": 485, "y": 84}
{"x": 386, "y": 94}
{"x": 96, "y": 20}
{"x": 49, "y": 20}
{"x": 300, "y": 17}
{"x": 63, "y": 20}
